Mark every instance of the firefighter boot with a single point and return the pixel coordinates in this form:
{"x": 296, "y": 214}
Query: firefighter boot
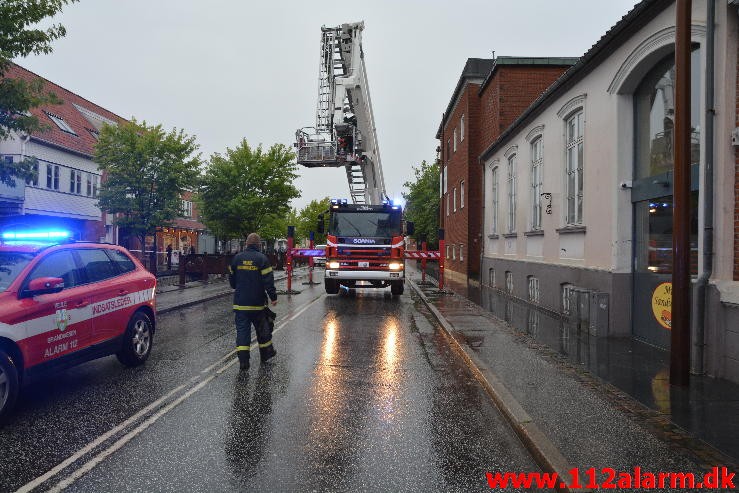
{"x": 243, "y": 359}
{"x": 266, "y": 352}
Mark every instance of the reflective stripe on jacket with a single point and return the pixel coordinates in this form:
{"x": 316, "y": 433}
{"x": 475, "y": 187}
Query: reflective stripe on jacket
{"x": 250, "y": 274}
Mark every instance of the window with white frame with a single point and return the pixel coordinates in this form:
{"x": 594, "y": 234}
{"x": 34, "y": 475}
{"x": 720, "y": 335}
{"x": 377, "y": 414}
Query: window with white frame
{"x": 455, "y": 140}
{"x": 52, "y": 176}
{"x": 447, "y": 204}
{"x": 186, "y": 208}
{"x": 461, "y": 253}
{"x": 574, "y": 167}
{"x": 33, "y": 181}
{"x": 75, "y": 182}
{"x": 494, "y": 194}
{"x": 454, "y": 252}
{"x": 509, "y": 282}
{"x": 537, "y": 162}
{"x": 455, "y": 199}
{"x": 92, "y": 184}
{"x": 533, "y": 283}
{"x": 447, "y": 251}
{"x": 461, "y": 194}
{"x": 512, "y": 193}
{"x": 491, "y": 277}
{"x": 461, "y": 129}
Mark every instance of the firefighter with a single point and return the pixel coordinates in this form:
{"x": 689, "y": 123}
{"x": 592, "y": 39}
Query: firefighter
{"x": 252, "y": 277}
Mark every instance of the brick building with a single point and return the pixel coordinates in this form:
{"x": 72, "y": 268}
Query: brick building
{"x": 489, "y": 96}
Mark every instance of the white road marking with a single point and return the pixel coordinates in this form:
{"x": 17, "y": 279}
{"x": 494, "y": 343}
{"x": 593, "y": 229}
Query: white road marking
{"x": 95, "y": 443}
{"x": 88, "y": 466}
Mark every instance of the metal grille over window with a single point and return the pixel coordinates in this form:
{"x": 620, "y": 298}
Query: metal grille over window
{"x": 533, "y": 289}
{"x": 509, "y": 282}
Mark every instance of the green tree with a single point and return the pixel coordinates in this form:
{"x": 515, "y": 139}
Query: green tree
{"x": 308, "y": 218}
{"x": 147, "y": 170}
{"x": 275, "y": 226}
{"x": 18, "y": 38}
{"x": 422, "y": 202}
{"x": 246, "y": 189}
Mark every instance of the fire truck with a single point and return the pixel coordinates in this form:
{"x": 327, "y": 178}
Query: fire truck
{"x": 365, "y": 246}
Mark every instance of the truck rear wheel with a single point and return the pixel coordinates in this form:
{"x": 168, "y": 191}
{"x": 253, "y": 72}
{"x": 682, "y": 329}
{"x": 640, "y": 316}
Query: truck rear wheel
{"x": 331, "y": 285}
{"x": 397, "y": 288}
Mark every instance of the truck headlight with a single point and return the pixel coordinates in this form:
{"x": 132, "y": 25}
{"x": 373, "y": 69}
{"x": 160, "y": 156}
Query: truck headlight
{"x": 395, "y": 266}
{"x": 333, "y": 264}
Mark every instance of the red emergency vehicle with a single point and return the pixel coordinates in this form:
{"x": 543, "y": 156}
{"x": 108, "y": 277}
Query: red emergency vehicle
{"x": 63, "y": 303}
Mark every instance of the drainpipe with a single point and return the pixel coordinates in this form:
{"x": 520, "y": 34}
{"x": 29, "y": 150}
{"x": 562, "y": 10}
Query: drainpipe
{"x": 701, "y": 292}
{"x": 482, "y": 226}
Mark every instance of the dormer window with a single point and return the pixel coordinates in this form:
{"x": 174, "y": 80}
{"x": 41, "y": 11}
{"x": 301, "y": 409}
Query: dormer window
{"x": 64, "y": 126}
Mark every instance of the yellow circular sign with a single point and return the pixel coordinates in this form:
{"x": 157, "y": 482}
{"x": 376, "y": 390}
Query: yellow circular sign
{"x": 662, "y": 304}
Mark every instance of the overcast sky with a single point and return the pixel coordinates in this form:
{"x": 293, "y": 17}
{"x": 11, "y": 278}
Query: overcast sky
{"x": 227, "y": 70}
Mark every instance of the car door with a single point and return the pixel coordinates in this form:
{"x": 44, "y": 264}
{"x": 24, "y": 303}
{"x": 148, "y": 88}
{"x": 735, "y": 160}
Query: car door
{"x": 57, "y": 324}
{"x": 111, "y": 294}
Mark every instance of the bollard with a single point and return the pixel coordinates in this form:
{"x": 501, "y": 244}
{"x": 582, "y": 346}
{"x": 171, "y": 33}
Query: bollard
{"x": 423, "y": 262}
{"x": 290, "y": 234}
{"x": 310, "y": 260}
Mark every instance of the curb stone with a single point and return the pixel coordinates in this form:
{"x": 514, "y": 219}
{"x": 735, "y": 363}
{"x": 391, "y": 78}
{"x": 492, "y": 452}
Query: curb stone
{"x": 226, "y": 291}
{"x": 542, "y": 449}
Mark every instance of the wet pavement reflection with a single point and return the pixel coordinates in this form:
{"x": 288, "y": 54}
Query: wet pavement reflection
{"x": 708, "y": 409}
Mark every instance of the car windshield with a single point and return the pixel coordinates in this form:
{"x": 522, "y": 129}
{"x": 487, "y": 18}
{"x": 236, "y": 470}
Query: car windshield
{"x": 11, "y": 264}
{"x": 369, "y": 224}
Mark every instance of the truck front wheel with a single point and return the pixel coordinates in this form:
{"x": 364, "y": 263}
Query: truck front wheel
{"x": 397, "y": 288}
{"x": 331, "y": 285}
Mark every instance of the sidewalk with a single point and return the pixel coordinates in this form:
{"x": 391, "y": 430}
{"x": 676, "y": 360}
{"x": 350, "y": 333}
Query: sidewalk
{"x": 598, "y": 402}
{"x": 171, "y": 298}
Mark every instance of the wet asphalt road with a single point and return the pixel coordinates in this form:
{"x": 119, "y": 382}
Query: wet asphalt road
{"x": 364, "y": 395}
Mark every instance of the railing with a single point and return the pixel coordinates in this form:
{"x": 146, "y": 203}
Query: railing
{"x": 200, "y": 266}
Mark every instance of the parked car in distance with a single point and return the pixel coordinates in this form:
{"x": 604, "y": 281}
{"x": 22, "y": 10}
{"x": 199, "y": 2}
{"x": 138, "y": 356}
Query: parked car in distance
{"x": 320, "y": 261}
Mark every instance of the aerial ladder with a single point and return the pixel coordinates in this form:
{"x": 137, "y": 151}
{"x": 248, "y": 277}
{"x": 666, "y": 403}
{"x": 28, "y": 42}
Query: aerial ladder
{"x": 344, "y": 134}
{"x": 365, "y": 240}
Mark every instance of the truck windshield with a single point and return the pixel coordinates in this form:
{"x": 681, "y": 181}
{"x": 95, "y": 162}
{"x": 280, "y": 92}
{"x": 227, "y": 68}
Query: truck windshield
{"x": 369, "y": 224}
{"x": 11, "y": 264}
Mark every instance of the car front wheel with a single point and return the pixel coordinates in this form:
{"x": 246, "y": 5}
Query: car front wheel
{"x": 137, "y": 340}
{"x": 9, "y": 384}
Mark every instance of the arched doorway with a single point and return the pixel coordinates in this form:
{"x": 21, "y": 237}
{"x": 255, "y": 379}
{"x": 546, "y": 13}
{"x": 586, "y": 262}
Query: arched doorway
{"x": 654, "y": 110}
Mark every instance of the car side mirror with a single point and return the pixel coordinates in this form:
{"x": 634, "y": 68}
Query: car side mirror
{"x": 44, "y": 285}
{"x": 319, "y": 225}
{"x": 410, "y": 228}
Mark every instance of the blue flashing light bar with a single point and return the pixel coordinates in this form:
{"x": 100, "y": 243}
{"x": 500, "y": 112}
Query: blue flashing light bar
{"x": 36, "y": 235}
